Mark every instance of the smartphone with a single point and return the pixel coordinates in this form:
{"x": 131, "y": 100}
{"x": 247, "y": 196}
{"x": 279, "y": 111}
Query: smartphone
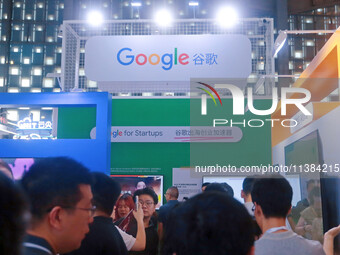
{"x": 136, "y": 203}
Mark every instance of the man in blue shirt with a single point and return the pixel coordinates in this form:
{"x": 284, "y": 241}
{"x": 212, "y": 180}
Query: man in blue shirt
{"x": 171, "y": 197}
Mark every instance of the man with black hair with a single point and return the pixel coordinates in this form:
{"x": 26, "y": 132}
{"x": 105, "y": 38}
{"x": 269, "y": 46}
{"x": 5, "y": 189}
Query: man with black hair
{"x": 171, "y": 196}
{"x": 272, "y": 197}
{"x": 60, "y": 196}
{"x": 210, "y": 223}
{"x": 13, "y": 216}
{"x": 221, "y": 187}
{"x": 247, "y": 186}
{"x": 204, "y": 185}
{"x": 147, "y": 199}
{"x": 103, "y": 238}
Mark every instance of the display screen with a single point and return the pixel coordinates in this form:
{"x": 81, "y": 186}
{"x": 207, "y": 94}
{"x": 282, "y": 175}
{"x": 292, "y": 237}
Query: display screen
{"x": 305, "y": 151}
{"x": 131, "y": 183}
{"x": 304, "y": 154}
{"x": 19, "y": 165}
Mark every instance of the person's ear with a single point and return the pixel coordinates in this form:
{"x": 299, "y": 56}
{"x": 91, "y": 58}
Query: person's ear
{"x": 258, "y": 210}
{"x": 290, "y": 210}
{"x": 55, "y": 217}
{"x": 243, "y": 195}
{"x": 252, "y": 250}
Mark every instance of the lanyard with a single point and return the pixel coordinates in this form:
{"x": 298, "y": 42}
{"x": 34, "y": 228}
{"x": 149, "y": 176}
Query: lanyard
{"x": 272, "y": 230}
{"x": 36, "y": 246}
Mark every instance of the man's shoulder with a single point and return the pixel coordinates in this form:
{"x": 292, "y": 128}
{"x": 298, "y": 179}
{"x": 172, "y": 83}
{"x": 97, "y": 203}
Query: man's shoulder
{"x": 165, "y": 209}
{"x": 169, "y": 204}
{"x": 103, "y": 238}
{"x": 314, "y": 247}
{"x": 35, "y": 251}
{"x": 102, "y": 226}
{"x": 33, "y": 245}
{"x": 287, "y": 242}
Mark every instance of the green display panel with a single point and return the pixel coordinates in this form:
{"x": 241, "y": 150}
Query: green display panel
{"x": 151, "y": 158}
{"x": 160, "y": 158}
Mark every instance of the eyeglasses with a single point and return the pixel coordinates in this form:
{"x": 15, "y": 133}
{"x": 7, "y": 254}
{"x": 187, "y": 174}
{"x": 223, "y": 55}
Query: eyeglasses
{"x": 91, "y": 210}
{"x": 146, "y": 203}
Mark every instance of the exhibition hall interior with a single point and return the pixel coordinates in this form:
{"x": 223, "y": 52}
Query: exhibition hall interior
{"x": 128, "y": 125}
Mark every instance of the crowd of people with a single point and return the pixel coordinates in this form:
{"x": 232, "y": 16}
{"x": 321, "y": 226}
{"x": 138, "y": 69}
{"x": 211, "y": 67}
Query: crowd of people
{"x": 60, "y": 207}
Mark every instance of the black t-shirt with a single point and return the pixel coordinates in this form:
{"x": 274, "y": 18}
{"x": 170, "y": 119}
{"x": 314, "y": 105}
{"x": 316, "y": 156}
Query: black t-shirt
{"x": 103, "y": 239}
{"x": 150, "y": 234}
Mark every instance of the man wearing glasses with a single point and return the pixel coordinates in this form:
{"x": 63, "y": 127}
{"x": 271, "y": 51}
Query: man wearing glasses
{"x": 103, "y": 238}
{"x": 59, "y": 190}
{"x": 148, "y": 199}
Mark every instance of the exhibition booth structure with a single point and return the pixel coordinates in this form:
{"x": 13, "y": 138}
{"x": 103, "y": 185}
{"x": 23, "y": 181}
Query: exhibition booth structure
{"x": 152, "y": 136}
{"x": 219, "y": 125}
{"x": 20, "y": 151}
{"x": 161, "y": 137}
{"x": 311, "y": 147}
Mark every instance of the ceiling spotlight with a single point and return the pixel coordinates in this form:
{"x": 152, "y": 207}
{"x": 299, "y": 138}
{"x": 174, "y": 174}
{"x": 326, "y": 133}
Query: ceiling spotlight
{"x": 227, "y": 16}
{"x": 163, "y": 18}
{"x": 95, "y": 18}
{"x": 193, "y": 3}
{"x": 136, "y": 4}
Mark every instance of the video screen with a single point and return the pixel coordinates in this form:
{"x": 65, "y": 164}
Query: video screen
{"x": 131, "y": 183}
{"x": 19, "y": 165}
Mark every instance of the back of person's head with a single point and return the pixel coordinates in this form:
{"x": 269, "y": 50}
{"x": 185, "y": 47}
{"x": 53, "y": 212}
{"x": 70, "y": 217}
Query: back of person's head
{"x": 6, "y": 169}
{"x": 204, "y": 185}
{"x": 209, "y": 223}
{"x": 105, "y": 192}
{"x": 146, "y": 191}
{"x": 274, "y": 194}
{"x": 248, "y": 184}
{"x": 173, "y": 192}
{"x": 13, "y": 216}
{"x": 54, "y": 182}
{"x": 221, "y": 187}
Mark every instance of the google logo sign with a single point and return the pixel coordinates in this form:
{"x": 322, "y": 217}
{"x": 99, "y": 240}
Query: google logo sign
{"x": 126, "y": 57}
